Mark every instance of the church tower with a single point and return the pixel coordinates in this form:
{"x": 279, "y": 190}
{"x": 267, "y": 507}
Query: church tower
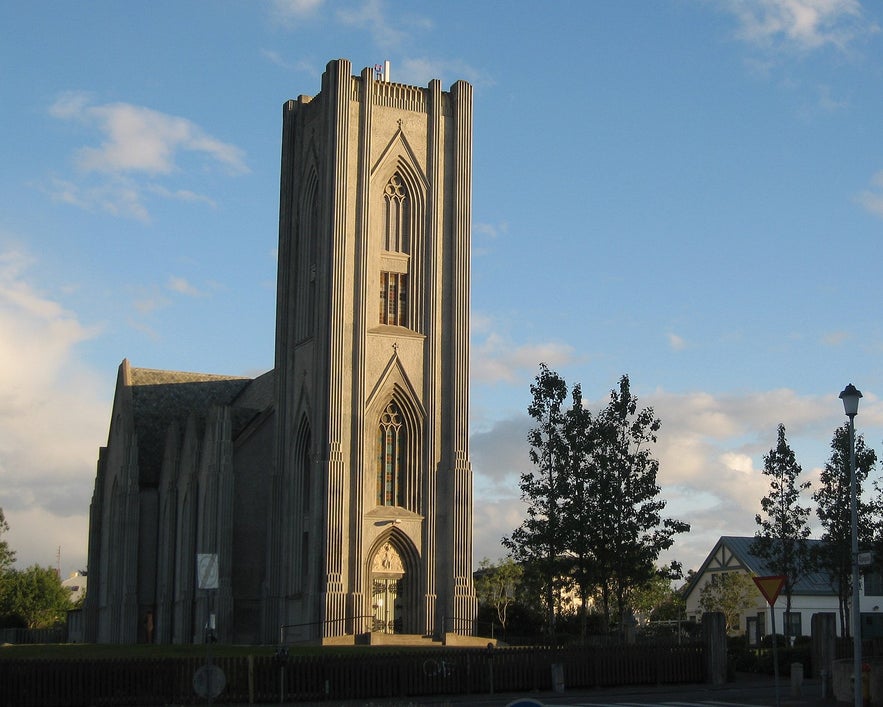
{"x": 370, "y": 515}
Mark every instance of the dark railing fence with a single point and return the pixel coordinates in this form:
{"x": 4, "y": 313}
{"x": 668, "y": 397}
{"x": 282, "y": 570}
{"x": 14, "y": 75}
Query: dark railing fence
{"x": 342, "y": 676}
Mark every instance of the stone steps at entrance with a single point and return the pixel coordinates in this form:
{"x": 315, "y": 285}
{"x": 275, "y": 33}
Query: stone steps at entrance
{"x": 376, "y": 638}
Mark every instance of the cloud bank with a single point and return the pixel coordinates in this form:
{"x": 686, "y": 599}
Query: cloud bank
{"x": 51, "y": 418}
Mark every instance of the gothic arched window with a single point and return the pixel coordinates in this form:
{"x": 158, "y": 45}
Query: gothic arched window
{"x": 393, "y": 454}
{"x": 397, "y": 224}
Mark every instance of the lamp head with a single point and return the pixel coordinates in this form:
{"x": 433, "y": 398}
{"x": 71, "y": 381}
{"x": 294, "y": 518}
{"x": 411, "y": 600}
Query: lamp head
{"x": 850, "y": 397}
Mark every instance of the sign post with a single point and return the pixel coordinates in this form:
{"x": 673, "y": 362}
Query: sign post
{"x": 209, "y": 680}
{"x": 770, "y": 587}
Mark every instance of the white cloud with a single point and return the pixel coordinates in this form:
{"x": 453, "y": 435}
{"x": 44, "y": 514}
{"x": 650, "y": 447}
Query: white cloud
{"x": 419, "y": 71}
{"x": 872, "y": 198}
{"x": 373, "y": 15}
{"x": 497, "y": 359}
{"x": 47, "y": 454}
{"x": 136, "y": 143}
{"x": 118, "y": 196}
{"x": 835, "y": 338}
{"x": 800, "y": 24}
{"x": 675, "y": 342}
{"x": 710, "y": 453}
{"x": 183, "y": 287}
{"x": 139, "y": 139}
{"x": 290, "y": 12}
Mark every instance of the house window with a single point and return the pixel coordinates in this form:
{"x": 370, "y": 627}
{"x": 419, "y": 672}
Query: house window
{"x": 792, "y": 623}
{"x": 393, "y": 446}
{"x": 752, "y": 630}
{"x": 393, "y": 298}
{"x": 873, "y": 583}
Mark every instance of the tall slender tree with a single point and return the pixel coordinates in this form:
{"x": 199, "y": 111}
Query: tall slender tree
{"x": 833, "y": 507}
{"x": 539, "y": 541}
{"x": 579, "y": 505}
{"x": 628, "y": 532}
{"x": 783, "y": 521}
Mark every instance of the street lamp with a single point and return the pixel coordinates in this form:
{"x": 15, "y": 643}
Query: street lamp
{"x": 850, "y": 397}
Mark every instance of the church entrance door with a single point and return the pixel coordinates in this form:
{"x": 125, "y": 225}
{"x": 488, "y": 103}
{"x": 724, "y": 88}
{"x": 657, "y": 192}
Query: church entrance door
{"x": 387, "y": 581}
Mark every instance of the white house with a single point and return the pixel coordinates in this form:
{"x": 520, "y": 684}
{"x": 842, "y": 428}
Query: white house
{"x": 813, "y": 593}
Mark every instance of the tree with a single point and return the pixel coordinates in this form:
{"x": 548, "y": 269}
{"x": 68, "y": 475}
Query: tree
{"x": 656, "y": 600}
{"x": 579, "y": 507}
{"x": 7, "y": 555}
{"x": 784, "y": 525}
{"x": 496, "y": 585}
{"x": 538, "y": 542}
{"x": 833, "y": 507}
{"x": 731, "y": 593}
{"x": 35, "y": 596}
{"x": 628, "y": 531}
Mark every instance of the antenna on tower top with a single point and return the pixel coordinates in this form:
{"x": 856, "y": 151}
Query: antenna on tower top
{"x": 381, "y": 71}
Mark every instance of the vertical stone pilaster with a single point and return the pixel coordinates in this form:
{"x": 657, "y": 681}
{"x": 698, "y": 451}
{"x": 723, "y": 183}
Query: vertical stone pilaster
{"x": 432, "y": 451}
{"x": 362, "y": 291}
{"x": 224, "y": 529}
{"x": 465, "y": 605}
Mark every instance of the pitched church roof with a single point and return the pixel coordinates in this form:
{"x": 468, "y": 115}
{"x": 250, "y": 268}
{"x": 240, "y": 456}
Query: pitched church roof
{"x": 161, "y": 398}
{"x": 734, "y": 553}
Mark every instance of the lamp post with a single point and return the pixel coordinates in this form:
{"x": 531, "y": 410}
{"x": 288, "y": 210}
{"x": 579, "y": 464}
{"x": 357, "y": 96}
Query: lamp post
{"x": 850, "y": 397}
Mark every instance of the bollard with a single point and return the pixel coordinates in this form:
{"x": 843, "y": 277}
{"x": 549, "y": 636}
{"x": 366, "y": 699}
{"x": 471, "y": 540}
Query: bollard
{"x": 557, "y": 677}
{"x": 866, "y": 684}
{"x": 823, "y": 677}
{"x": 796, "y": 679}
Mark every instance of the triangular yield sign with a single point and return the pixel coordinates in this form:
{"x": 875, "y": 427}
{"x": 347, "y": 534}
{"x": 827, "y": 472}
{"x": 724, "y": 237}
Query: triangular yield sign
{"x": 770, "y": 587}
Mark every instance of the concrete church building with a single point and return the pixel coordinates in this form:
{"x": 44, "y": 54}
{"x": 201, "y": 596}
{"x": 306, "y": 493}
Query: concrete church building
{"x": 336, "y": 489}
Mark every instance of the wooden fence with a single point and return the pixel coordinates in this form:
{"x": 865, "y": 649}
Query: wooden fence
{"x": 341, "y": 676}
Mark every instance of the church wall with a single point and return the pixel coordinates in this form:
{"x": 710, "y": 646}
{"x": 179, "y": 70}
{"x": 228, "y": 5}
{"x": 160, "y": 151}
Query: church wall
{"x": 253, "y": 464}
{"x": 148, "y": 537}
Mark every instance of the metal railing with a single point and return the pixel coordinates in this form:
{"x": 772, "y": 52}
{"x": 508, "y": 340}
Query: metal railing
{"x": 321, "y": 625}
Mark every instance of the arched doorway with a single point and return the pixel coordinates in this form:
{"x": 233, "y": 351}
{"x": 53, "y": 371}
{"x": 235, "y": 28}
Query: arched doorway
{"x": 388, "y": 589}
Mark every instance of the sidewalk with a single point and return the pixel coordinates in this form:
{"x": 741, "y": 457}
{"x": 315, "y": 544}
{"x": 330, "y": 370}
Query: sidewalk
{"x": 744, "y": 690}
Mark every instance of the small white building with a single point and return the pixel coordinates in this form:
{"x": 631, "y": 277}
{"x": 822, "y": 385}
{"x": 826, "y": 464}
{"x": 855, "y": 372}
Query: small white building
{"x": 813, "y": 593}
{"x": 76, "y": 585}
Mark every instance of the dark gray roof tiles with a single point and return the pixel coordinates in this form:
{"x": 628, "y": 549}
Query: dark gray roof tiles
{"x": 160, "y": 398}
{"x": 811, "y": 583}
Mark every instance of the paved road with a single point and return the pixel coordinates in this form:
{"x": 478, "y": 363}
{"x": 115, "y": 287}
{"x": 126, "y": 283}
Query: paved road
{"x": 744, "y": 692}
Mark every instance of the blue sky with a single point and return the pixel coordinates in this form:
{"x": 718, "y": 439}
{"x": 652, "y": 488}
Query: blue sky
{"x": 688, "y": 192}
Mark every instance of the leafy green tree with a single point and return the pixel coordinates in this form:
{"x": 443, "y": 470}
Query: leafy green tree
{"x": 833, "y": 507}
{"x": 731, "y": 593}
{"x": 539, "y": 542}
{"x": 579, "y": 507}
{"x": 656, "y": 599}
{"x": 496, "y": 585}
{"x": 7, "y": 554}
{"x": 35, "y": 596}
{"x": 628, "y": 531}
{"x": 784, "y": 523}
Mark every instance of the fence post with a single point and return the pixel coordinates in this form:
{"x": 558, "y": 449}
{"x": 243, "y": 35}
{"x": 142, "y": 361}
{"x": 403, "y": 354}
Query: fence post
{"x": 824, "y": 630}
{"x": 714, "y": 635}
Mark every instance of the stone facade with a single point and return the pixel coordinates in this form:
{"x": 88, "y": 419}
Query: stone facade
{"x": 336, "y": 489}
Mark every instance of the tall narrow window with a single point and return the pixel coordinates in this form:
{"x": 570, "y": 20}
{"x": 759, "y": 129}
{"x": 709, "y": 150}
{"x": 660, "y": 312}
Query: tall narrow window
{"x": 396, "y": 243}
{"x": 393, "y": 447}
{"x": 398, "y": 216}
{"x": 394, "y": 298}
